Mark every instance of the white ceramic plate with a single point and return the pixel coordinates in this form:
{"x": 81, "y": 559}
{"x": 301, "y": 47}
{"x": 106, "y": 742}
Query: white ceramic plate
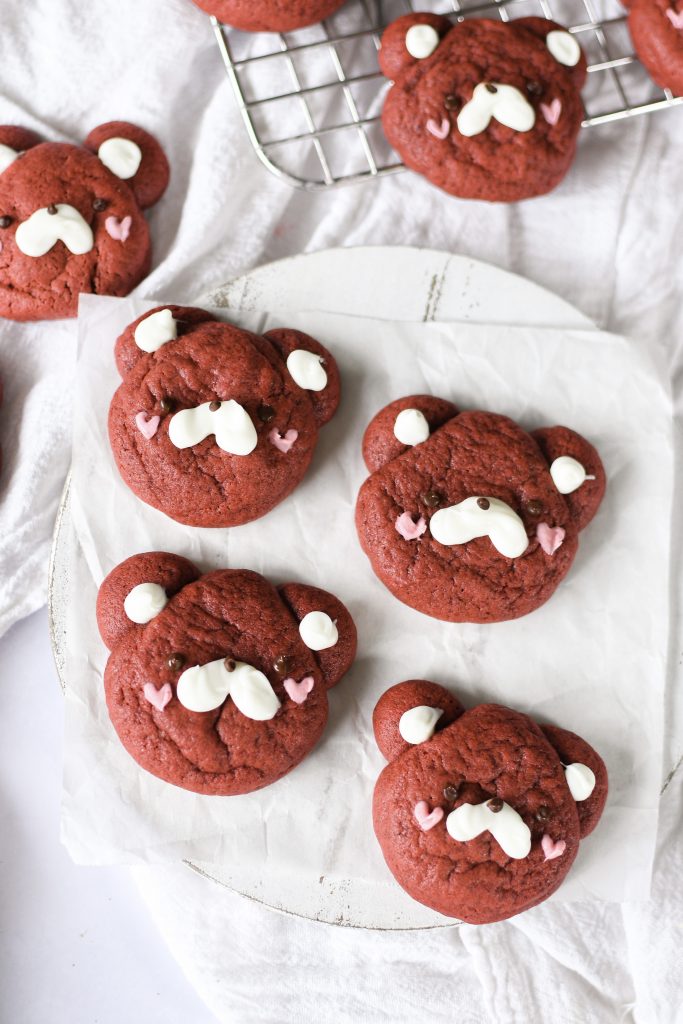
{"x": 388, "y": 283}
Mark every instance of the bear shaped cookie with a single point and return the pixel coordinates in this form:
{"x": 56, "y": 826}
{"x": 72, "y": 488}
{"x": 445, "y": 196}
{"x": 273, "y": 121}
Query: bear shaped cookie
{"x": 479, "y": 813}
{"x": 71, "y": 217}
{"x": 269, "y": 15}
{"x": 483, "y": 109}
{"x": 218, "y": 683}
{"x": 468, "y": 518}
{"x": 656, "y": 28}
{"x": 214, "y": 425}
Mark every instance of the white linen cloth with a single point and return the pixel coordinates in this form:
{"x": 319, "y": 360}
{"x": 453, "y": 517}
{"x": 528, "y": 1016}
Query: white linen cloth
{"x": 610, "y": 240}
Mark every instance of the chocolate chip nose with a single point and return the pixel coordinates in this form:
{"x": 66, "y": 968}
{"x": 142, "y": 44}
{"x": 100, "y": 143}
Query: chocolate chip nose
{"x": 490, "y": 88}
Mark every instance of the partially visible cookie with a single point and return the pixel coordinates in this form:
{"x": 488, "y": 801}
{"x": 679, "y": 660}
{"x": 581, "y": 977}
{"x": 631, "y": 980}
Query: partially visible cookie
{"x": 484, "y": 109}
{"x": 466, "y": 516}
{"x": 218, "y": 683}
{"x": 656, "y": 28}
{"x": 214, "y": 425}
{"x": 269, "y": 15}
{"x": 479, "y": 813}
{"x": 71, "y": 217}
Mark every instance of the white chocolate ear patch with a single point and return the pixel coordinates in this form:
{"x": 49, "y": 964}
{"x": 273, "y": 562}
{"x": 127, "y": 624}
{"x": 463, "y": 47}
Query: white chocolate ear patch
{"x": 155, "y": 330}
{"x": 7, "y": 156}
{"x": 564, "y": 47}
{"x": 505, "y": 103}
{"x": 306, "y": 369}
{"x": 568, "y": 474}
{"x": 580, "y": 779}
{"x": 206, "y": 687}
{"x": 421, "y": 41}
{"x": 417, "y": 725}
{"x": 51, "y": 224}
{"x": 121, "y": 156}
{"x": 144, "y": 603}
{"x": 411, "y": 427}
{"x": 481, "y": 517}
{"x": 505, "y": 825}
{"x": 229, "y": 421}
{"x": 318, "y": 631}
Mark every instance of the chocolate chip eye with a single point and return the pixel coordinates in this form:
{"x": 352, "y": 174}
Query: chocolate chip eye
{"x": 484, "y": 503}
{"x": 214, "y": 406}
{"x": 5, "y": 221}
{"x": 230, "y": 664}
{"x": 265, "y": 413}
{"x": 176, "y": 662}
{"x": 451, "y": 792}
{"x": 535, "y": 507}
{"x": 495, "y": 805}
{"x": 167, "y": 405}
{"x": 52, "y": 209}
{"x": 450, "y": 102}
{"x": 432, "y": 499}
{"x": 543, "y": 813}
{"x": 534, "y": 88}
{"x": 99, "y": 204}
{"x": 281, "y": 665}
{"x": 490, "y": 88}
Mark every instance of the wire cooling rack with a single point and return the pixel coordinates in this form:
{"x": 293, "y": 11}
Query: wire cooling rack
{"x": 311, "y": 100}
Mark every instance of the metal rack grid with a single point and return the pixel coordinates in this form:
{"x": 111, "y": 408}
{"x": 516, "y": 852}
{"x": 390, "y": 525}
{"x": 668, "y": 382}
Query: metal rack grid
{"x": 311, "y": 100}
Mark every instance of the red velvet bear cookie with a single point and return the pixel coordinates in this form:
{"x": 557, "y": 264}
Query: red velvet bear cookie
{"x": 656, "y": 28}
{"x": 71, "y": 217}
{"x": 479, "y": 813}
{"x": 269, "y": 15}
{"x": 218, "y": 683}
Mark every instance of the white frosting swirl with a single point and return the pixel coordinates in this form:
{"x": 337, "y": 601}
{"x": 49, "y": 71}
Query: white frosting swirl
{"x": 7, "y": 156}
{"x": 505, "y": 103}
{"x": 418, "y": 724}
{"x": 411, "y": 427}
{"x": 122, "y": 156}
{"x": 421, "y": 41}
{"x": 36, "y": 235}
{"x": 231, "y": 423}
{"x": 206, "y": 687}
{"x": 580, "y": 779}
{"x": 156, "y": 330}
{"x": 568, "y": 474}
{"x": 306, "y": 370}
{"x": 506, "y": 826}
{"x": 461, "y": 523}
{"x": 144, "y": 602}
{"x": 318, "y": 631}
{"x": 564, "y": 47}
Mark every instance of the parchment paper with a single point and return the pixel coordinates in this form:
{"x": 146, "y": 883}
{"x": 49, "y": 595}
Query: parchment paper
{"x": 592, "y": 659}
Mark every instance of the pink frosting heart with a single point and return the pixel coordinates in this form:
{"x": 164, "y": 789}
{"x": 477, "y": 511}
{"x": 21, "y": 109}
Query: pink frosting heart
{"x": 299, "y": 691}
{"x": 675, "y": 17}
{"x": 118, "y": 229}
{"x": 408, "y": 529}
{"x": 147, "y": 426}
{"x": 425, "y": 818}
{"x": 283, "y": 442}
{"x": 439, "y": 131}
{"x": 550, "y": 537}
{"x": 552, "y": 848}
{"x": 552, "y": 111}
{"x": 159, "y": 698}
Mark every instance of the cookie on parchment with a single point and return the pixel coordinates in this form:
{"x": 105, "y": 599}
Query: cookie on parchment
{"x": 479, "y": 813}
{"x": 218, "y": 683}
{"x": 269, "y": 15}
{"x": 468, "y": 518}
{"x": 214, "y": 425}
{"x": 656, "y": 28}
{"x": 483, "y": 109}
{"x": 71, "y": 217}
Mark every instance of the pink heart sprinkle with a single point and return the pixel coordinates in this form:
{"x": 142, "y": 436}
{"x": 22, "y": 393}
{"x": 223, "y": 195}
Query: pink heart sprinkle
{"x": 283, "y": 442}
{"x": 147, "y": 426}
{"x": 552, "y": 111}
{"x": 299, "y": 691}
{"x": 439, "y": 131}
{"x": 550, "y": 537}
{"x": 408, "y": 529}
{"x": 552, "y": 848}
{"x": 159, "y": 698}
{"x": 118, "y": 229}
{"x": 425, "y": 818}
{"x": 675, "y": 17}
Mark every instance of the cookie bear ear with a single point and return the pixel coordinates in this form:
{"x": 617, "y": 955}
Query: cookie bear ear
{"x": 410, "y": 713}
{"x": 576, "y": 470}
{"x": 325, "y": 626}
{"x": 561, "y": 44}
{"x": 410, "y": 39}
{"x": 13, "y": 142}
{"x": 585, "y": 772}
{"x": 137, "y": 590}
{"x": 401, "y": 425}
{"x": 133, "y": 155}
{"x": 311, "y": 367}
{"x": 153, "y": 330}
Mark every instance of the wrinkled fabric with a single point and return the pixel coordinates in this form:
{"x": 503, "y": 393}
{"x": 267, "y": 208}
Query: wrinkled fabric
{"x": 610, "y": 240}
